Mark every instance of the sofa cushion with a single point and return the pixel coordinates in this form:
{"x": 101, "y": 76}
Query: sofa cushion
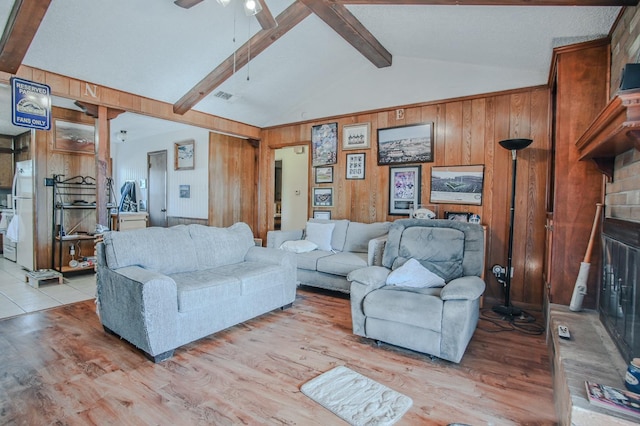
{"x": 342, "y": 263}
{"x": 320, "y": 234}
{"x": 221, "y": 246}
{"x": 413, "y": 274}
{"x": 421, "y": 307}
{"x": 164, "y": 250}
{"x": 199, "y": 289}
{"x": 440, "y": 250}
{"x": 359, "y": 234}
{"x": 339, "y": 232}
{"x": 253, "y": 276}
{"x": 309, "y": 260}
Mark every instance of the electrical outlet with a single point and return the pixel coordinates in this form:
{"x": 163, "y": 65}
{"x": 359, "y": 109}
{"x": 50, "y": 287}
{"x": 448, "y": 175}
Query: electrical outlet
{"x": 400, "y": 114}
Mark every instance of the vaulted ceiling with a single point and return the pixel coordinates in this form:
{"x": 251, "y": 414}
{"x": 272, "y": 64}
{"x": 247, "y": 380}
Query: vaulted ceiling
{"x": 324, "y": 58}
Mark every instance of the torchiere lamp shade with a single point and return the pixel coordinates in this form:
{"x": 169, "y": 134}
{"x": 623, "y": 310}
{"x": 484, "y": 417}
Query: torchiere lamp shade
{"x": 516, "y": 144}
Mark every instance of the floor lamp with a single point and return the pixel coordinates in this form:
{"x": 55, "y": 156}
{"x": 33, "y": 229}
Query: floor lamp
{"x": 513, "y": 145}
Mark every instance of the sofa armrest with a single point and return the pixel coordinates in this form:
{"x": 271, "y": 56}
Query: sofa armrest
{"x": 364, "y": 281}
{"x": 276, "y": 238}
{"x": 375, "y": 250}
{"x": 139, "y": 305}
{"x": 463, "y": 288}
{"x": 272, "y": 256}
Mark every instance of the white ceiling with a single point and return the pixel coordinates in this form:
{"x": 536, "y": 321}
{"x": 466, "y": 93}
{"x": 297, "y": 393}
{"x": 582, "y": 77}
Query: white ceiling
{"x": 156, "y": 49}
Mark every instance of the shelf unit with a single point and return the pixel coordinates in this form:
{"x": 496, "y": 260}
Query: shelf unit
{"x": 75, "y": 197}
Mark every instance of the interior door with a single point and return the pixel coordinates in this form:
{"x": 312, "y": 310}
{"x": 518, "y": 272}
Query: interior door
{"x": 157, "y": 181}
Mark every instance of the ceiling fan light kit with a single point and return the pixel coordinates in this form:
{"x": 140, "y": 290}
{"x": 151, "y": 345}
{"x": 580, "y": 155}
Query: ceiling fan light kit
{"x": 252, "y": 7}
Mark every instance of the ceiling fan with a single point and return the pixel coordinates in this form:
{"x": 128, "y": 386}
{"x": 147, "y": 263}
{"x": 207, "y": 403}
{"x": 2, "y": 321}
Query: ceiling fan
{"x": 257, "y": 8}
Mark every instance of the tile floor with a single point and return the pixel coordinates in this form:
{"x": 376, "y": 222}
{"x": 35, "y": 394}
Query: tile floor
{"x": 17, "y": 297}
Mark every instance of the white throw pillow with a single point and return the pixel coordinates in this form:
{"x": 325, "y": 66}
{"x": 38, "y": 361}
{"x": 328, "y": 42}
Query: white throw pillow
{"x": 320, "y": 234}
{"x": 298, "y": 246}
{"x": 413, "y": 274}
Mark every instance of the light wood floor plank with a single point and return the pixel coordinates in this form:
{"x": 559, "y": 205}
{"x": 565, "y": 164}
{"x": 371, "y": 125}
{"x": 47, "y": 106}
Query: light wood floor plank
{"x": 60, "y": 367}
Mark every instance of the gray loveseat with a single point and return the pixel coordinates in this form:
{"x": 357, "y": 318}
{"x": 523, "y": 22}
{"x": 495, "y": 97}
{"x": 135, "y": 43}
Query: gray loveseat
{"x": 160, "y": 288}
{"x": 352, "y": 245}
{"x": 437, "y": 320}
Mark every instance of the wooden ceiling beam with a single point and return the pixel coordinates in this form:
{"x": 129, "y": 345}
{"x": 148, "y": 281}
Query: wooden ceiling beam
{"x": 351, "y": 29}
{"x": 265, "y": 17}
{"x": 492, "y": 2}
{"x": 288, "y": 19}
{"x": 21, "y": 28}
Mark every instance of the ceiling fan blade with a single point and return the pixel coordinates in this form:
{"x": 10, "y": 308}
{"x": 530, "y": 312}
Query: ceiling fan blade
{"x": 187, "y": 3}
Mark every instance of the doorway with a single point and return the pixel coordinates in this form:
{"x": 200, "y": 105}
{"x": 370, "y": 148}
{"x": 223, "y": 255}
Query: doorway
{"x": 157, "y": 181}
{"x": 292, "y": 187}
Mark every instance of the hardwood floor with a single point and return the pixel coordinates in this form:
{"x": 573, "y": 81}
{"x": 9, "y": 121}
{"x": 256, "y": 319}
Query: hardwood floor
{"x": 59, "y": 367}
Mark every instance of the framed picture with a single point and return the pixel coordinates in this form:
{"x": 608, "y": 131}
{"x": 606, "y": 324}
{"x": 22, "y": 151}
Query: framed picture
{"x": 356, "y": 136}
{"x": 406, "y": 144}
{"x": 185, "y": 191}
{"x": 324, "y": 144}
{"x": 324, "y": 174}
{"x": 404, "y": 189}
{"x": 322, "y": 214}
{"x": 457, "y": 216}
{"x": 184, "y": 155}
{"x": 457, "y": 184}
{"x": 355, "y": 166}
{"x": 322, "y": 197}
{"x": 75, "y": 138}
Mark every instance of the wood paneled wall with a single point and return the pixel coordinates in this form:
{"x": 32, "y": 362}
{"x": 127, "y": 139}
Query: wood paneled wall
{"x": 466, "y": 132}
{"x": 49, "y": 162}
{"x": 232, "y": 181}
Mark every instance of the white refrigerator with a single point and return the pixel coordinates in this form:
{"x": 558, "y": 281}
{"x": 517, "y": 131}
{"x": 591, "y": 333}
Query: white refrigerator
{"x": 23, "y": 204}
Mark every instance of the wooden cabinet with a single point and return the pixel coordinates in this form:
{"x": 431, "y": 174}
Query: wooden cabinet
{"x": 580, "y": 91}
{"x": 6, "y": 162}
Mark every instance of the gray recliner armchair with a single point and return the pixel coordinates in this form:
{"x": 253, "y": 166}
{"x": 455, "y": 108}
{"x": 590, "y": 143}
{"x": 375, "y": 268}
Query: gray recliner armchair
{"x": 435, "y": 320}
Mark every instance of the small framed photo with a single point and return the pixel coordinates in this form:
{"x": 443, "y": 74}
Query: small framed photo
{"x": 184, "y": 155}
{"x": 355, "y": 166}
{"x": 457, "y": 216}
{"x": 356, "y": 136}
{"x": 322, "y": 214}
{"x": 324, "y": 144}
{"x": 404, "y": 189}
{"x": 405, "y": 144}
{"x": 185, "y": 191}
{"x": 322, "y": 197}
{"x": 324, "y": 174}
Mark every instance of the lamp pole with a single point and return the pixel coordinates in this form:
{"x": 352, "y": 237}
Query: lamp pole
{"x": 514, "y": 145}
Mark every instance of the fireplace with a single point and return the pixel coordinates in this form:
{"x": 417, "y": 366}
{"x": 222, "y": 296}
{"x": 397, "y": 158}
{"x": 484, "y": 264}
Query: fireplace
{"x": 619, "y": 298}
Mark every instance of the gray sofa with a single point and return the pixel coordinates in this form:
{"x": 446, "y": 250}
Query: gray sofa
{"x": 160, "y": 288}
{"x": 439, "y": 319}
{"x": 353, "y": 245}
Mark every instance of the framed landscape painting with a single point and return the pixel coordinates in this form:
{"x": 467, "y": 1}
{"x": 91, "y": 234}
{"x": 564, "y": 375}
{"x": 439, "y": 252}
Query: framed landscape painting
{"x": 457, "y": 184}
{"x": 405, "y": 144}
{"x": 184, "y": 155}
{"x": 76, "y": 138}
{"x": 324, "y": 174}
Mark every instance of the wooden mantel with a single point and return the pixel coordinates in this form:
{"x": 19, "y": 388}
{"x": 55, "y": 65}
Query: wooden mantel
{"x": 615, "y": 130}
